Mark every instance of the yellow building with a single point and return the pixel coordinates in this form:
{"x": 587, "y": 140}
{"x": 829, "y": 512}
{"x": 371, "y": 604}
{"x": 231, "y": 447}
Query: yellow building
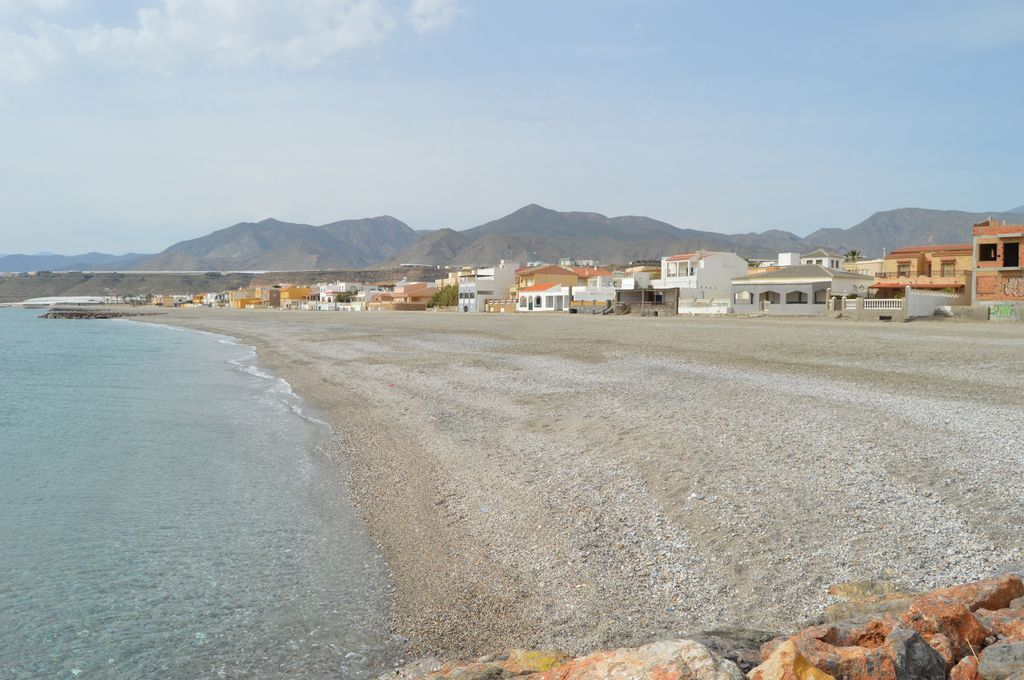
{"x": 244, "y": 298}
{"x": 293, "y": 296}
{"x": 939, "y": 267}
{"x": 547, "y": 273}
{"x": 866, "y": 267}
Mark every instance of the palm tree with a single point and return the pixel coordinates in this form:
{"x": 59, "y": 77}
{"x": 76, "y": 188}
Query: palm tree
{"x": 852, "y": 256}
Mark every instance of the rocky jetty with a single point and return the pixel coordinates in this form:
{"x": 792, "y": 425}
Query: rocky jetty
{"x": 877, "y": 632}
{"x": 93, "y": 313}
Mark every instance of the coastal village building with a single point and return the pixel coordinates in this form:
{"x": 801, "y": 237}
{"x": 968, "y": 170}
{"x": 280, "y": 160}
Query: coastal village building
{"x": 937, "y": 267}
{"x": 542, "y": 274}
{"x": 244, "y": 298}
{"x": 801, "y": 290}
{"x": 598, "y": 293}
{"x": 543, "y": 297}
{"x": 997, "y": 262}
{"x": 477, "y": 287}
{"x": 866, "y": 267}
{"x": 406, "y": 297}
{"x": 701, "y": 275}
{"x": 823, "y": 257}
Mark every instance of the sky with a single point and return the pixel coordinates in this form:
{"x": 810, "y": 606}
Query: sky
{"x": 128, "y": 125}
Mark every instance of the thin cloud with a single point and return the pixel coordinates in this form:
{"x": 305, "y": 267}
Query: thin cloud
{"x": 429, "y": 15}
{"x": 172, "y": 35}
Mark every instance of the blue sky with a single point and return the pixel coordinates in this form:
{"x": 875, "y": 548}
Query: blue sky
{"x": 130, "y": 125}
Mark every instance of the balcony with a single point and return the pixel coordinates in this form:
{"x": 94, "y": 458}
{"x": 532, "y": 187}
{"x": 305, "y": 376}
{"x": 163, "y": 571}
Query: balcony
{"x": 957, "y": 278}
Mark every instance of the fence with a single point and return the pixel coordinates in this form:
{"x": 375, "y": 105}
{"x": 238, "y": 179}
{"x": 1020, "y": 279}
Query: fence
{"x": 882, "y": 304}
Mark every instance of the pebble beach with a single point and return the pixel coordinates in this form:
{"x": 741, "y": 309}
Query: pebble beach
{"x": 581, "y": 482}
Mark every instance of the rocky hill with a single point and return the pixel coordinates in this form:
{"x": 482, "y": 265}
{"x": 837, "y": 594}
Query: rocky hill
{"x": 538, "y": 233}
{"x": 530, "y": 233}
{"x": 284, "y": 246}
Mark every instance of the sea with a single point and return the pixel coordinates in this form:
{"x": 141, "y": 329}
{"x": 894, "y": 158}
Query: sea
{"x": 168, "y": 510}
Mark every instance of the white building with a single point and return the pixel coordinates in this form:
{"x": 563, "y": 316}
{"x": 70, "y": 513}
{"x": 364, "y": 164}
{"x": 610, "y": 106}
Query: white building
{"x": 599, "y": 291}
{"x": 822, "y": 257}
{"x": 543, "y": 297}
{"x": 478, "y": 286}
{"x": 701, "y": 275}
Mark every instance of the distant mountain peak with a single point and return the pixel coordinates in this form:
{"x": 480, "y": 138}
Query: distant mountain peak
{"x": 1019, "y": 210}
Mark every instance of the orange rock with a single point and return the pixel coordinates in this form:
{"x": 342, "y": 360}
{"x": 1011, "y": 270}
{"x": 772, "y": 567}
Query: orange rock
{"x": 787, "y": 663}
{"x": 948, "y": 626}
{"x": 990, "y": 593}
{"x": 667, "y": 660}
{"x": 1007, "y": 623}
{"x": 967, "y": 669}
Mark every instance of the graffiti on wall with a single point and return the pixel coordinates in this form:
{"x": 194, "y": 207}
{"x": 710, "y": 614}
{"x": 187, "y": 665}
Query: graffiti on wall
{"x": 1000, "y": 312}
{"x": 1014, "y": 287}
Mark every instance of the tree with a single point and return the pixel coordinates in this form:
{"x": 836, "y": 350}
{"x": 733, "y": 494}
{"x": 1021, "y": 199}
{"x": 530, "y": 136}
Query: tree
{"x": 344, "y": 297}
{"x": 852, "y": 256}
{"x": 446, "y": 297}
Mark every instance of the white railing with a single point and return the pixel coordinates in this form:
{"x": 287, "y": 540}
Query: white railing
{"x": 883, "y": 304}
{"x": 851, "y": 305}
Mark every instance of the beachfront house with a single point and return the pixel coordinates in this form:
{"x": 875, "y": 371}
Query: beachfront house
{"x": 947, "y": 268}
{"x": 701, "y": 275}
{"x": 543, "y": 297}
{"x": 542, "y": 274}
{"x": 479, "y": 286}
{"x": 997, "y": 272}
{"x": 801, "y": 290}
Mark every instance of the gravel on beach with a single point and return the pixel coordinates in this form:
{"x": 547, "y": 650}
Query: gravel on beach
{"x": 590, "y": 482}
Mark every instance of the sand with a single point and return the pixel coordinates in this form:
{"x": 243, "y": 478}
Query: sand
{"x": 583, "y": 482}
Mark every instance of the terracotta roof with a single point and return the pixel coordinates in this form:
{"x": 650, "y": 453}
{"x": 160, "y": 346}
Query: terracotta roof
{"x": 544, "y": 269}
{"x": 587, "y": 272}
{"x": 539, "y": 287}
{"x": 947, "y": 247}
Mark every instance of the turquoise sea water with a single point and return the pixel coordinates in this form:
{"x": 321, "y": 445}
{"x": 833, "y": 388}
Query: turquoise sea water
{"x": 165, "y": 512}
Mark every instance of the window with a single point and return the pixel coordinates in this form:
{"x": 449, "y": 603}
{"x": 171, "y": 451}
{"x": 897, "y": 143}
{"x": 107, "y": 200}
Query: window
{"x": 820, "y": 296}
{"x": 742, "y": 298}
{"x": 1011, "y": 254}
{"x": 903, "y": 269}
{"x": 947, "y": 269}
{"x": 987, "y": 252}
{"x": 796, "y": 298}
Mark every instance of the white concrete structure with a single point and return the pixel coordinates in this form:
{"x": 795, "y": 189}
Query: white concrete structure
{"x": 478, "y": 286}
{"x": 822, "y": 257}
{"x": 329, "y": 291}
{"x": 543, "y": 297}
{"x": 804, "y": 290}
{"x": 599, "y": 290}
{"x": 701, "y": 275}
{"x": 786, "y": 260}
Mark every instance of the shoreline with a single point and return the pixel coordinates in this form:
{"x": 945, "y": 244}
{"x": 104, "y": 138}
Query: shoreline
{"x": 502, "y": 472}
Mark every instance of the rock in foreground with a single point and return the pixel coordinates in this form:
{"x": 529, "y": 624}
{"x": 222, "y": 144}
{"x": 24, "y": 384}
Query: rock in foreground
{"x": 969, "y": 632}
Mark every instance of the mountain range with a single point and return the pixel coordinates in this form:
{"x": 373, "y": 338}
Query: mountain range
{"x": 530, "y": 233}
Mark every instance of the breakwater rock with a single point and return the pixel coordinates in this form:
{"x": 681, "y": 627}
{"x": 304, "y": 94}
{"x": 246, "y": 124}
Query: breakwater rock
{"x": 878, "y": 632}
{"x": 93, "y": 313}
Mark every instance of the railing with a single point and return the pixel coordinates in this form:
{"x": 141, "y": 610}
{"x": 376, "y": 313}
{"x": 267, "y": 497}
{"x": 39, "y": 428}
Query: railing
{"x": 851, "y": 305}
{"x": 934, "y": 274}
{"x": 881, "y": 304}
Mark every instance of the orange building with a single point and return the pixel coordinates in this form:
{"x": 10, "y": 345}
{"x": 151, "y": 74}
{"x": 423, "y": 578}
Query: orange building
{"x": 939, "y": 267}
{"x": 997, "y": 263}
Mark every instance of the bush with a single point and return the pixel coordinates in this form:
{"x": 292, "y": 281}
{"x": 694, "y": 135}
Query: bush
{"x": 446, "y": 297}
